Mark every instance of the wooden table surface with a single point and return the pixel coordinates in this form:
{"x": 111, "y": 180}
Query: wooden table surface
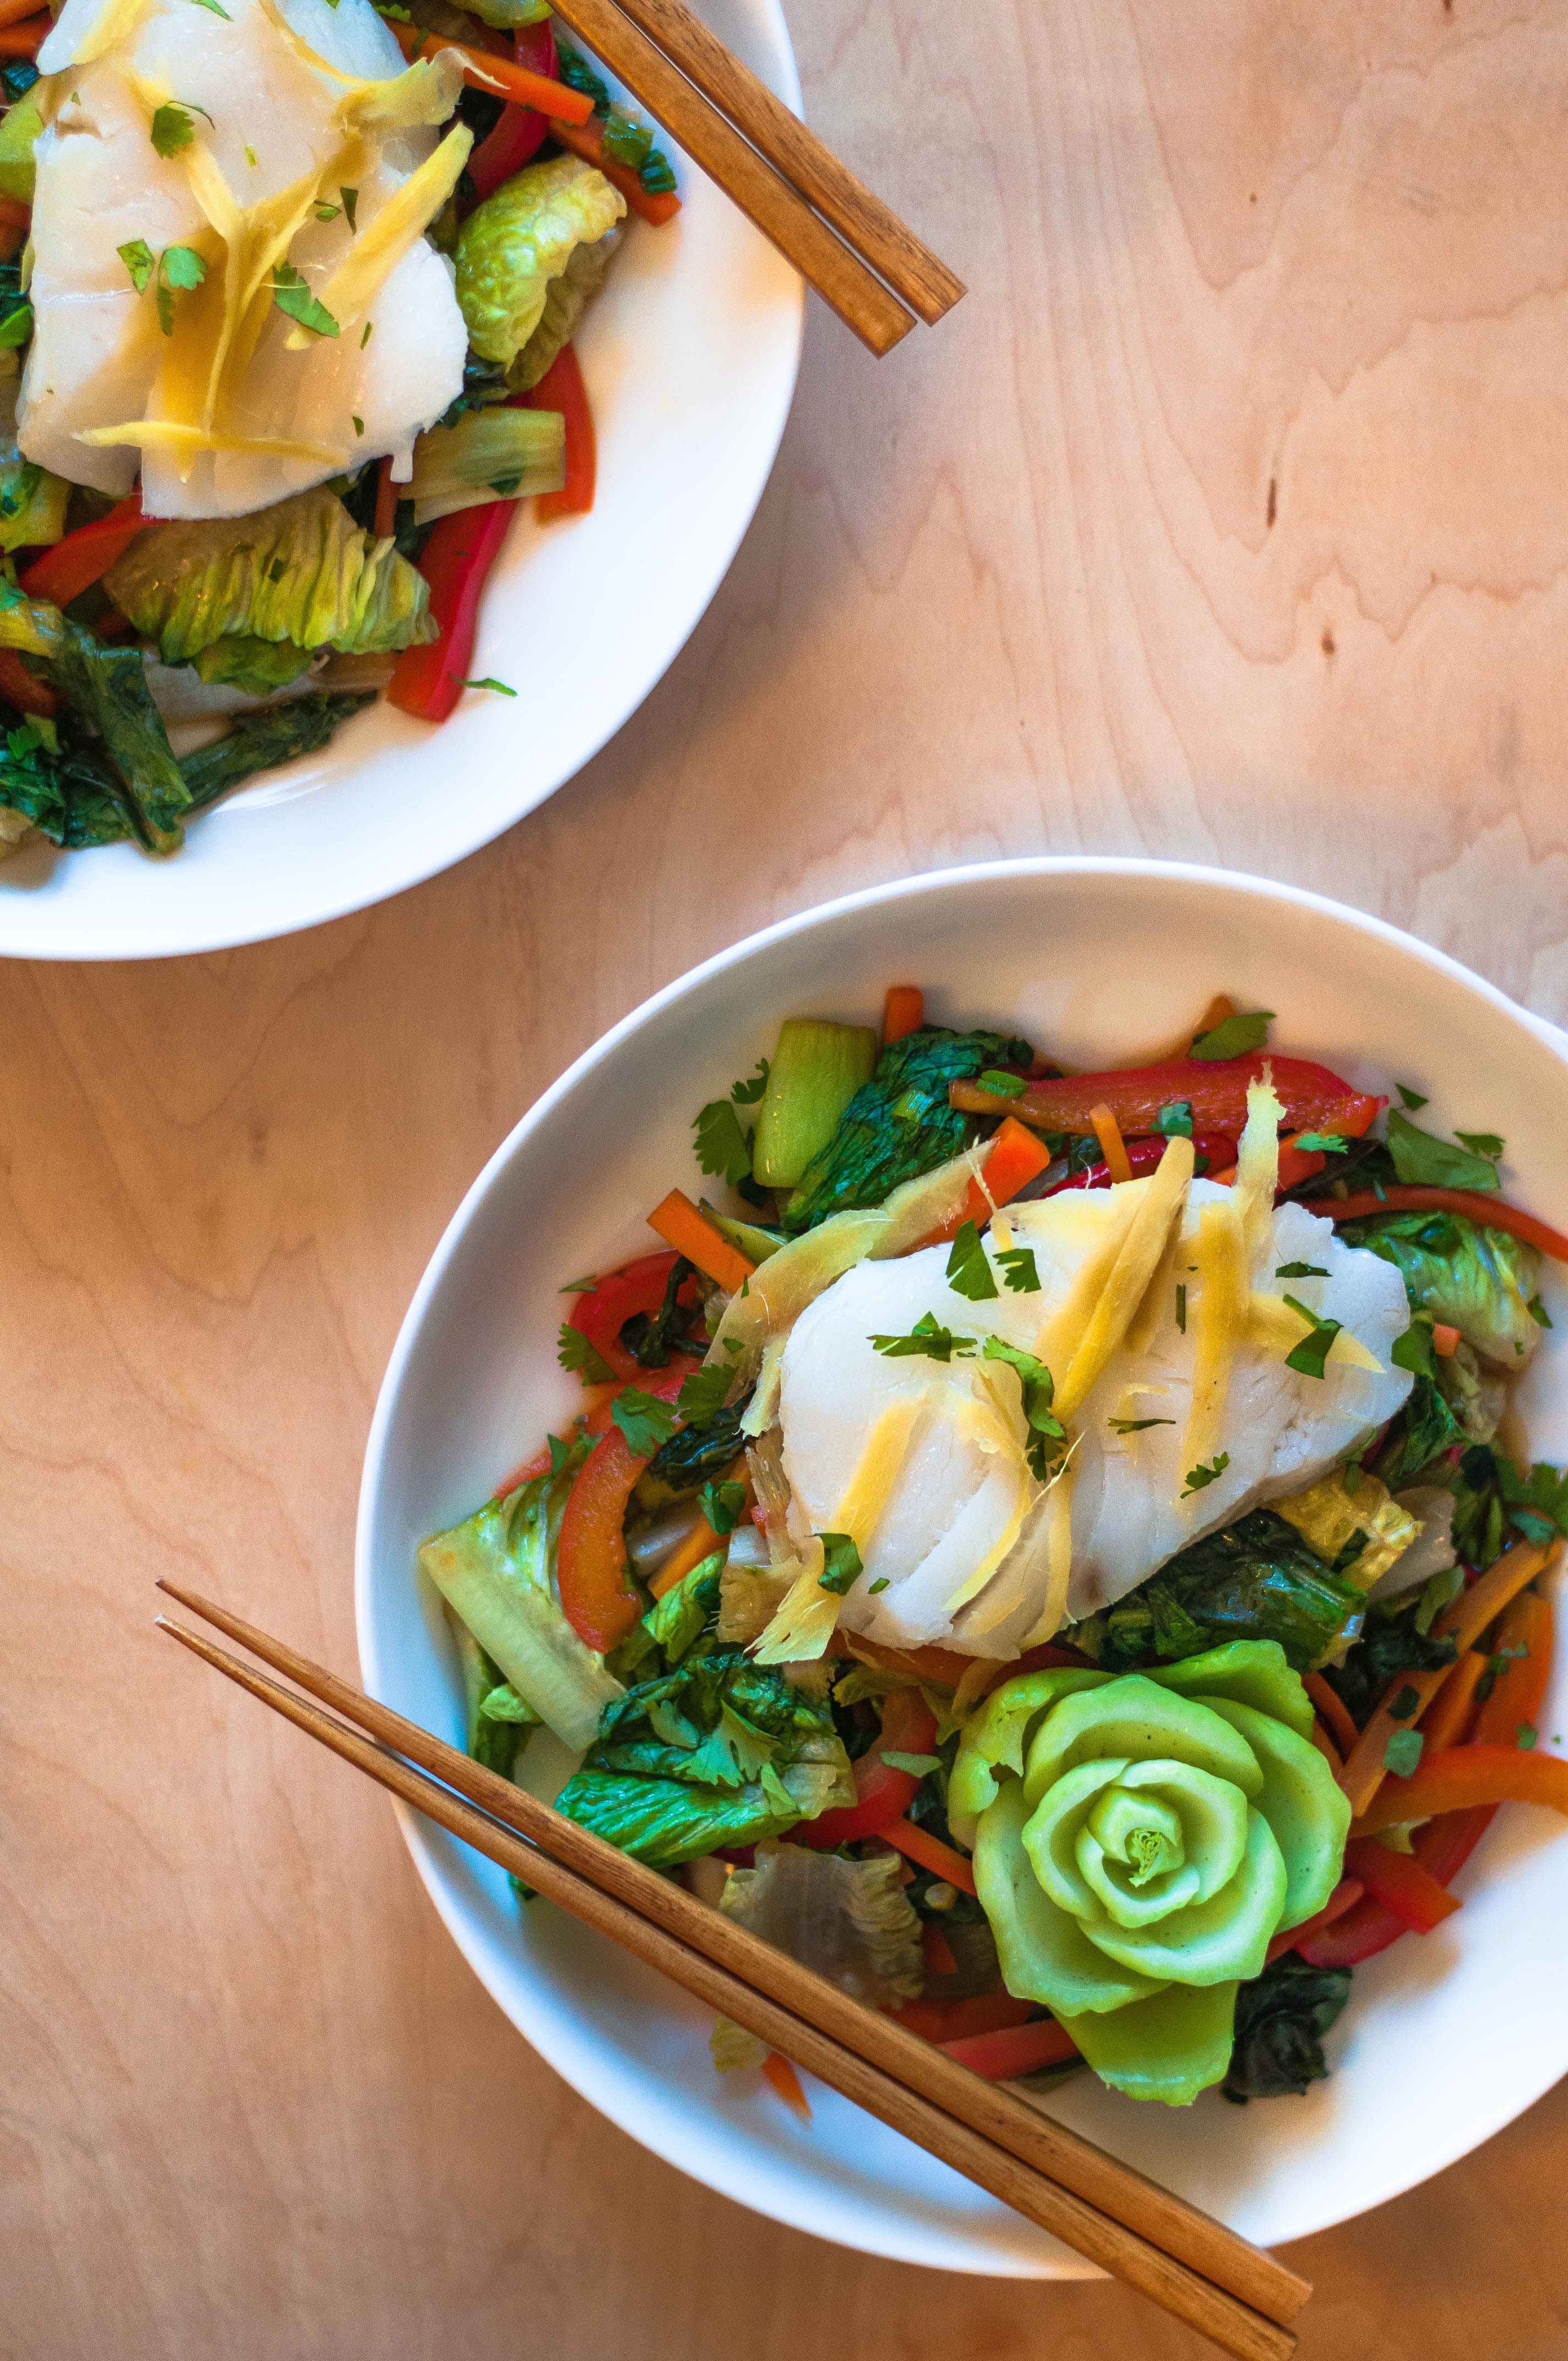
{"x": 1226, "y": 520}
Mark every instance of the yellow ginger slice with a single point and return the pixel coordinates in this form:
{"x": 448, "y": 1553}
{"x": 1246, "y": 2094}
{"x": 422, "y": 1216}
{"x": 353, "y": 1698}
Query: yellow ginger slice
{"x": 1220, "y": 1315}
{"x": 1127, "y": 1280}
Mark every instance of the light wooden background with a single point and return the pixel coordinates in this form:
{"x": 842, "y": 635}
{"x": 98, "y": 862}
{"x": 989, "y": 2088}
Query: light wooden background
{"x": 1227, "y": 518}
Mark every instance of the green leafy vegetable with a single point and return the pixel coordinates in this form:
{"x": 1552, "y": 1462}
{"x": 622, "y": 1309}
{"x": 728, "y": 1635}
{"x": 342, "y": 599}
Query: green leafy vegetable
{"x": 818, "y": 1067}
{"x": 172, "y": 128}
{"x": 32, "y": 501}
{"x": 179, "y": 269}
{"x": 16, "y": 327}
{"x": 1412, "y": 1099}
{"x": 719, "y": 1752}
{"x": 1206, "y": 1472}
{"x": 1464, "y": 1273}
{"x": 645, "y": 1421}
{"x": 1236, "y": 1036}
{"x": 900, "y": 1125}
{"x": 351, "y": 210}
{"x": 513, "y": 244}
{"x": 1255, "y": 1580}
{"x": 968, "y": 1272}
{"x": 1424, "y": 1161}
{"x": 583, "y": 1359}
{"x": 1390, "y": 1644}
{"x": 1484, "y": 1143}
{"x": 677, "y": 1621}
{"x": 1020, "y": 1270}
{"x": 926, "y": 1340}
{"x": 303, "y": 571}
{"x": 18, "y": 136}
{"x": 106, "y": 688}
{"x": 1494, "y": 1500}
{"x": 1312, "y": 1351}
{"x": 694, "y": 1456}
{"x": 485, "y": 454}
{"x": 1281, "y": 2019}
{"x": 292, "y": 296}
{"x": 648, "y": 1336}
{"x": 499, "y": 686}
{"x": 261, "y": 742}
{"x": 566, "y": 298}
{"x": 140, "y": 261}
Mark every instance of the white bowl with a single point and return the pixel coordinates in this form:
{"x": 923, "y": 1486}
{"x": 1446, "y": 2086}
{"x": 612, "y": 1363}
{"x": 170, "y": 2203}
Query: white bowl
{"x": 1094, "y": 960}
{"x": 690, "y": 360}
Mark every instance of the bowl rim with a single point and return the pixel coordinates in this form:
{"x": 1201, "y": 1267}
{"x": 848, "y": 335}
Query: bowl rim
{"x": 419, "y": 1837}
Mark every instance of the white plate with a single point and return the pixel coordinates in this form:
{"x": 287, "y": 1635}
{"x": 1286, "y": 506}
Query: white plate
{"x": 690, "y": 358}
{"x": 1093, "y": 960}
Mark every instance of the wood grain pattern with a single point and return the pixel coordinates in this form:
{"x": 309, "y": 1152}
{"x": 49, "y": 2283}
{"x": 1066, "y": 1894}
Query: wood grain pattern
{"x": 1015, "y": 588}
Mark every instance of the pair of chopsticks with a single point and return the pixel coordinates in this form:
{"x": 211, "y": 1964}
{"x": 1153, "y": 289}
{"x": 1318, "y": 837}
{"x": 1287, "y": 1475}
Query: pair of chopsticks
{"x": 770, "y": 165}
{"x": 1187, "y": 2263}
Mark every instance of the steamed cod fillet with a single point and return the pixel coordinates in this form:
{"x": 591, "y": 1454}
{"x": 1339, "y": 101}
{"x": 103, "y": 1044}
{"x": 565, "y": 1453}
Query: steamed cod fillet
{"x": 951, "y": 1497}
{"x": 97, "y": 348}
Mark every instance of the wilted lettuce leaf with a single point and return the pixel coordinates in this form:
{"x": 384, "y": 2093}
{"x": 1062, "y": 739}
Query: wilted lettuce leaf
{"x": 719, "y": 1752}
{"x": 69, "y": 792}
{"x": 1253, "y": 1580}
{"x": 566, "y": 298}
{"x": 513, "y": 244}
{"x": 900, "y": 1123}
{"x": 106, "y": 688}
{"x": 1281, "y": 2019}
{"x": 255, "y": 666}
{"x": 303, "y": 571}
{"x": 260, "y": 742}
{"x": 1475, "y": 1279}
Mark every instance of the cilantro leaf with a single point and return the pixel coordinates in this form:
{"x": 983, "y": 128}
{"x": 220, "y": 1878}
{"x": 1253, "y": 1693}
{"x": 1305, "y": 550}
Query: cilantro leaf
{"x": 1300, "y": 1270}
{"x": 359, "y": 429}
{"x": 291, "y": 294}
{"x": 1006, "y": 1086}
{"x": 645, "y": 1421}
{"x": 140, "y": 261}
{"x": 180, "y": 269}
{"x": 702, "y": 1395}
{"x": 1202, "y": 1474}
{"x": 1412, "y": 1099}
{"x": 351, "y": 208}
{"x": 574, "y": 1352}
{"x": 1175, "y": 1120}
{"x": 1312, "y": 1351}
{"x": 968, "y": 1272}
{"x": 1018, "y": 1268}
{"x": 926, "y": 1340}
{"x": 747, "y": 1093}
{"x": 369, "y": 326}
{"x": 1047, "y": 1433}
{"x": 1320, "y": 1143}
{"x": 499, "y": 686}
{"x": 1429, "y": 1162}
{"x": 580, "y": 1287}
{"x": 1136, "y": 1425}
{"x": 722, "y": 1505}
{"x": 1525, "y": 1735}
{"x": 326, "y": 212}
{"x": 172, "y": 128}
{"x": 1484, "y": 1143}
{"x": 841, "y": 1566}
{"x": 559, "y": 1453}
{"x": 1537, "y": 1312}
{"x": 723, "y": 1143}
{"x": 1405, "y": 1704}
{"x": 1181, "y": 1309}
{"x": 1415, "y": 1350}
{"x": 1402, "y": 1754}
{"x": 217, "y": 11}
{"x": 881, "y": 1584}
{"x": 1235, "y": 1038}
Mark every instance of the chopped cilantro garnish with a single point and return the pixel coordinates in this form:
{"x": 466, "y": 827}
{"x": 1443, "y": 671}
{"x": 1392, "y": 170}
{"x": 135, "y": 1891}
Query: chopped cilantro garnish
{"x": 575, "y": 1351}
{"x": 292, "y": 295}
{"x": 723, "y": 1143}
{"x": 968, "y": 1272}
{"x": 1525, "y": 1735}
{"x": 1018, "y": 1269}
{"x": 140, "y": 261}
{"x": 722, "y": 1505}
{"x": 351, "y": 208}
{"x": 1047, "y": 1433}
{"x": 703, "y": 1394}
{"x": 1405, "y": 1704}
{"x": 880, "y": 1584}
{"x": 926, "y": 1340}
{"x": 499, "y": 686}
{"x": 1320, "y": 1143}
{"x": 1312, "y": 1351}
{"x": 1206, "y": 1474}
{"x": 1484, "y": 1143}
{"x": 1235, "y": 1038}
{"x": 1412, "y": 1099}
{"x": 172, "y": 128}
{"x": 1176, "y": 1120}
{"x": 1402, "y": 1754}
{"x": 842, "y": 1567}
{"x": 359, "y": 429}
{"x": 645, "y": 1421}
{"x": 1181, "y": 1309}
{"x": 1300, "y": 1270}
{"x": 1136, "y": 1425}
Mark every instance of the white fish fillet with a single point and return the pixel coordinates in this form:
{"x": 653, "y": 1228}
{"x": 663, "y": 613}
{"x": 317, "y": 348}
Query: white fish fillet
{"x": 950, "y": 1500}
{"x": 96, "y": 346}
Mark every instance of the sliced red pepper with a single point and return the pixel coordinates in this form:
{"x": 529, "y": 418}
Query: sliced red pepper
{"x": 637, "y": 1287}
{"x": 1445, "y": 1844}
{"x": 1475, "y": 1202}
{"x": 1214, "y": 1152}
{"x": 936, "y": 1949}
{"x": 597, "y": 1597}
{"x": 1344, "y": 1897}
{"x": 1359, "y": 1935}
{"x": 457, "y": 557}
{"x": 84, "y": 556}
{"x": 882, "y": 1795}
{"x": 958, "y": 2020}
{"x": 1399, "y": 1880}
{"x": 1002, "y": 2056}
{"x": 561, "y": 388}
{"x": 520, "y": 130}
{"x": 1313, "y": 1098}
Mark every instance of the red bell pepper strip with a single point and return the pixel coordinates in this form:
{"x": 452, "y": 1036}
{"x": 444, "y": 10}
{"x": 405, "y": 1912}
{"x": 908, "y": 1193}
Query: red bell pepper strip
{"x": 958, "y": 2020}
{"x": 458, "y": 558}
{"x": 936, "y": 1949}
{"x": 23, "y": 689}
{"x": 1400, "y": 1883}
{"x": 1344, "y": 1897}
{"x": 24, "y": 40}
{"x": 1002, "y": 2056}
{"x": 1217, "y": 1148}
{"x": 72, "y": 565}
{"x": 637, "y": 1287}
{"x": 1520, "y": 1690}
{"x": 490, "y": 70}
{"x": 1313, "y": 1098}
{"x": 656, "y": 206}
{"x": 1359, "y": 1935}
{"x": 597, "y": 1597}
{"x": 561, "y": 388}
{"x": 1475, "y": 1203}
{"x": 1445, "y": 1844}
{"x": 522, "y": 130}
{"x": 882, "y": 1794}
{"x": 1463, "y": 1776}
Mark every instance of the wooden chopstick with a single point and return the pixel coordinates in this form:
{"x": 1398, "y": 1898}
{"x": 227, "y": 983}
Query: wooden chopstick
{"x": 838, "y": 275}
{"x": 873, "y": 229}
{"x": 1229, "y": 2325}
{"x": 1123, "y": 2198}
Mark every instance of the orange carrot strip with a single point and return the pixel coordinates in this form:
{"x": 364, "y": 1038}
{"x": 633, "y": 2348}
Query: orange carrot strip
{"x": 23, "y": 40}
{"x": 1520, "y": 1690}
{"x": 1463, "y": 1622}
{"x": 905, "y": 1008}
{"x": 587, "y": 139}
{"x": 1016, "y": 1157}
{"x": 931, "y": 1854}
{"x": 1444, "y": 1726}
{"x": 1326, "y": 1748}
{"x": 1108, "y": 1132}
{"x": 1444, "y": 1339}
{"x": 1475, "y": 1203}
{"x": 501, "y": 76}
{"x": 1464, "y": 1776}
{"x": 1333, "y": 1707}
{"x": 778, "y": 2071}
{"x": 681, "y": 1225}
{"x": 12, "y": 12}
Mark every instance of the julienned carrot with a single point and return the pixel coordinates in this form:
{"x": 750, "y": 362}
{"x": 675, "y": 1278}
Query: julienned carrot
{"x": 1399, "y": 1882}
{"x": 501, "y": 76}
{"x": 1001, "y": 2057}
{"x": 1108, "y": 1132}
{"x": 1326, "y": 1748}
{"x": 681, "y": 1225}
{"x": 1333, "y": 1707}
{"x": 12, "y": 12}
{"x": 1463, "y": 1622}
{"x": 656, "y": 206}
{"x": 1016, "y": 1157}
{"x": 702, "y": 1541}
{"x": 1346, "y": 1897}
{"x": 1445, "y": 1724}
{"x": 927, "y": 1664}
{"x": 1465, "y": 1776}
{"x": 778, "y": 2071}
{"x": 1445, "y": 1340}
{"x": 23, "y": 40}
{"x": 1520, "y": 1689}
{"x": 1475, "y": 1203}
{"x": 917, "y": 1844}
{"x": 904, "y": 1010}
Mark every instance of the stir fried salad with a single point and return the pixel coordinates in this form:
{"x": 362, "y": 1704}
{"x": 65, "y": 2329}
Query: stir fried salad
{"x": 1040, "y": 1547}
{"x": 286, "y": 334}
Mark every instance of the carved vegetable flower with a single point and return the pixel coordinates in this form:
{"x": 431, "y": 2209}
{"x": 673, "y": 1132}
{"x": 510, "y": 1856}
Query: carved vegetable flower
{"x": 1139, "y": 1840}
